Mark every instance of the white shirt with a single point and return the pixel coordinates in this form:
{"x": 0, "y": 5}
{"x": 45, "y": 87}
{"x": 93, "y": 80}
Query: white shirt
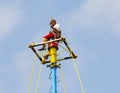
{"x": 57, "y": 27}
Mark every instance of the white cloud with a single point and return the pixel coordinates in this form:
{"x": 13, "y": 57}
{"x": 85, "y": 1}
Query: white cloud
{"x": 10, "y": 16}
{"x": 97, "y": 16}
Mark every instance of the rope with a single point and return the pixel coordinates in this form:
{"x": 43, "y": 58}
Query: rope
{"x": 61, "y": 52}
{"x": 63, "y": 81}
{"x": 38, "y": 80}
{"x": 64, "y": 49}
{"x": 77, "y": 72}
{"x": 78, "y": 75}
{"x": 39, "y": 74}
{"x": 32, "y": 73}
{"x": 31, "y": 76}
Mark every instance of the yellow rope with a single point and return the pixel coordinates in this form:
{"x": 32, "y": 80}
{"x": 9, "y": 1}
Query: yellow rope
{"x": 39, "y": 74}
{"x": 63, "y": 81}
{"x": 77, "y": 72}
{"x": 31, "y": 76}
{"x": 32, "y": 73}
{"x": 38, "y": 80}
{"x": 63, "y": 47}
{"x": 61, "y": 52}
{"x": 78, "y": 75}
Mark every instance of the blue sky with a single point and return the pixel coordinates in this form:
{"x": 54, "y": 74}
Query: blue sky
{"x": 91, "y": 27}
